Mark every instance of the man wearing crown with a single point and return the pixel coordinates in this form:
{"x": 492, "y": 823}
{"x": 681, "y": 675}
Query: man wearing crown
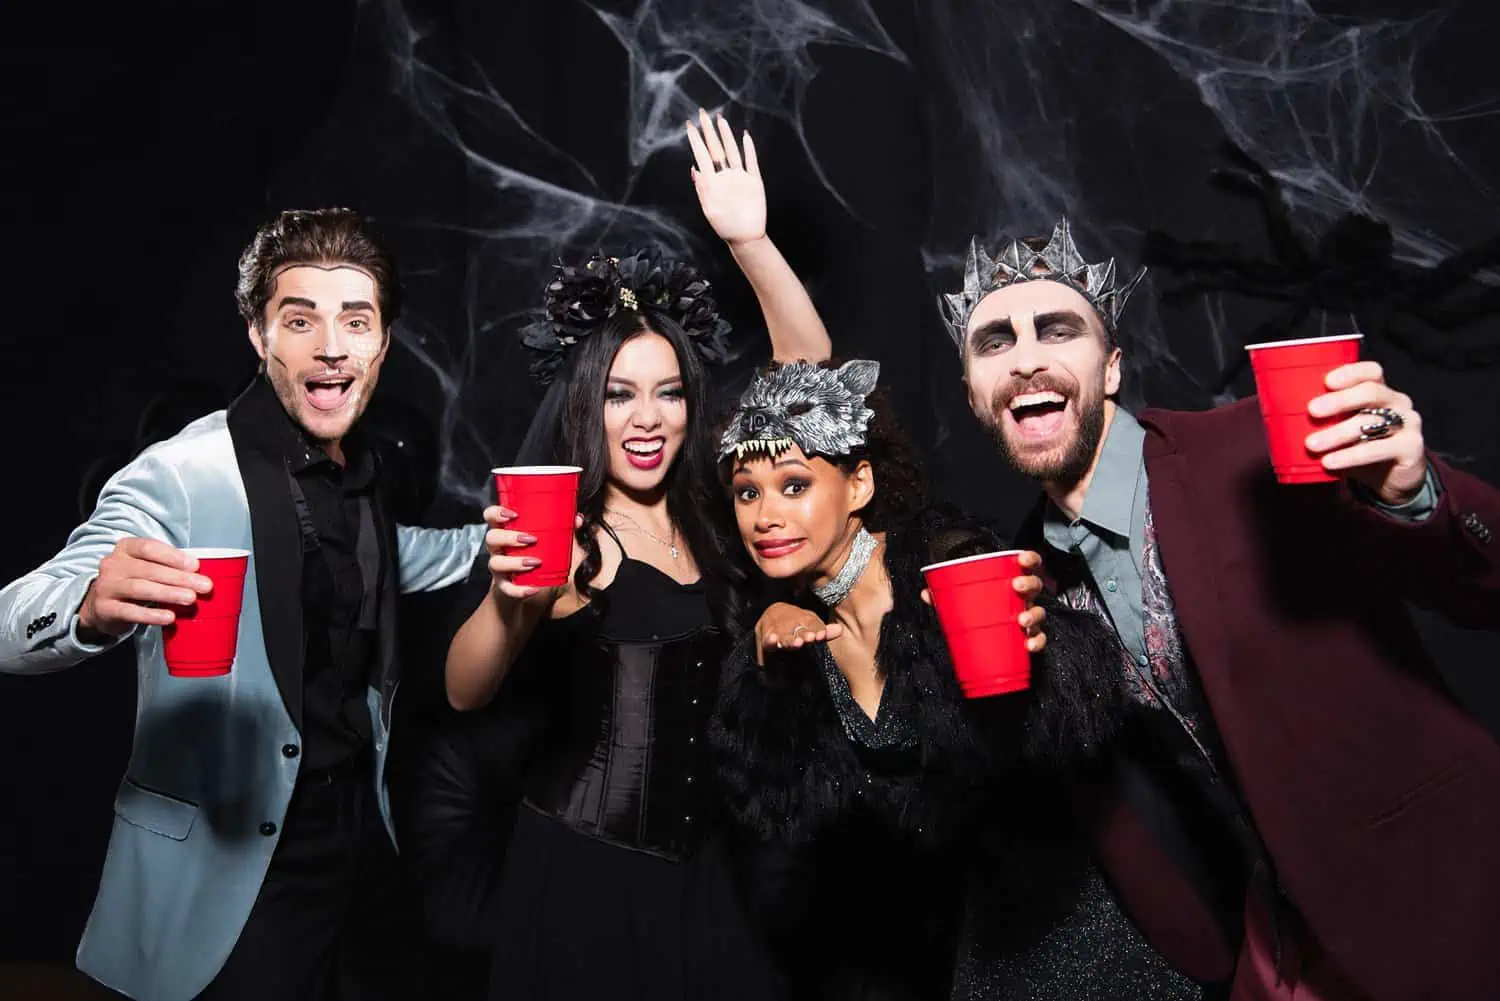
{"x": 1299, "y": 810}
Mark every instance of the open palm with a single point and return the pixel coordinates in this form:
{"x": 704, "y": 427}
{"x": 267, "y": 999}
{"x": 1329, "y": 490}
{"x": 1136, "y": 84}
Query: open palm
{"x": 729, "y": 187}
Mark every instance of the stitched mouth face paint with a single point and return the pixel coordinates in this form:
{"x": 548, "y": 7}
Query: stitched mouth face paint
{"x": 323, "y": 342}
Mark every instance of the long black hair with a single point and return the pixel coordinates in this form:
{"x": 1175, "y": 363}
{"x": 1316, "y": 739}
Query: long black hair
{"x": 692, "y": 502}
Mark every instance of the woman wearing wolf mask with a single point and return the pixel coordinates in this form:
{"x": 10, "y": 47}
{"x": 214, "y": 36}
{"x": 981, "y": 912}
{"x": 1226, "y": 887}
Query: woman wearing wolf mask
{"x": 607, "y": 881}
{"x": 869, "y": 791}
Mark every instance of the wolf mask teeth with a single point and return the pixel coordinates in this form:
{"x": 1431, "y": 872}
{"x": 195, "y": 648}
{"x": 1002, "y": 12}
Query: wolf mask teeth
{"x": 770, "y": 448}
{"x": 820, "y": 410}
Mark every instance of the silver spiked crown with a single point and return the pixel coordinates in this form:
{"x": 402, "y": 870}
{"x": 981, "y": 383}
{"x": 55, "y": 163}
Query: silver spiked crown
{"x": 1021, "y": 261}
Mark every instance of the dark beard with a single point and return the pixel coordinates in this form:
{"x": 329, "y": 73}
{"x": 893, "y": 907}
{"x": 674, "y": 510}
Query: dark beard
{"x": 1075, "y": 460}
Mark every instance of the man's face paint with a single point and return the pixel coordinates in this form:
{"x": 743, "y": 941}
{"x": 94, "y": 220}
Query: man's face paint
{"x": 1038, "y": 369}
{"x": 323, "y": 340}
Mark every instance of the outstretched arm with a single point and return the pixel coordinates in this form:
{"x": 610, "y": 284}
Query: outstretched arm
{"x": 733, "y": 198}
{"x": 432, "y": 558}
{"x": 120, "y": 570}
{"x": 1425, "y": 527}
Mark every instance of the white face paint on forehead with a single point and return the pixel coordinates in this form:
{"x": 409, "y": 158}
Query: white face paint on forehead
{"x": 323, "y": 340}
{"x": 342, "y": 283}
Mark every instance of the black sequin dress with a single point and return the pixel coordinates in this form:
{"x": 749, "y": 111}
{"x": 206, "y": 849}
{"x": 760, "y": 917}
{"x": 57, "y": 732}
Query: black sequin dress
{"x": 610, "y": 880}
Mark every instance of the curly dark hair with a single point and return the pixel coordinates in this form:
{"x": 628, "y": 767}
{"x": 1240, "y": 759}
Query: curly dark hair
{"x": 901, "y": 490}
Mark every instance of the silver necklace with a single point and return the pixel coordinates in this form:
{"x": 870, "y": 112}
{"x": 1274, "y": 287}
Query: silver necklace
{"x": 671, "y": 546}
{"x": 838, "y": 589}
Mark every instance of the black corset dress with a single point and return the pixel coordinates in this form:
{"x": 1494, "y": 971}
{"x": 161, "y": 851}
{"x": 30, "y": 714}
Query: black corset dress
{"x": 611, "y": 883}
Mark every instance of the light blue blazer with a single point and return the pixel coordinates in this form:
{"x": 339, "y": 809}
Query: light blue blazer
{"x": 214, "y": 760}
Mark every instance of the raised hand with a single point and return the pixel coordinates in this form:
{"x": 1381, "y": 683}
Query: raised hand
{"x": 135, "y": 580}
{"x": 1379, "y": 441}
{"x": 729, "y": 187}
{"x": 1028, "y": 586}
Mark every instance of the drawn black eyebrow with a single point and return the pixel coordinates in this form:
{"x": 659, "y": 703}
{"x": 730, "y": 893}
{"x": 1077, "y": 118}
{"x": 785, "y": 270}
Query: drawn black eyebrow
{"x": 1059, "y": 316}
{"x": 994, "y": 328}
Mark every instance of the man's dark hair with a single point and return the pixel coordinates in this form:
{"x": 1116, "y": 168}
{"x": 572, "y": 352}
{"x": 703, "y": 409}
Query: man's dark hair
{"x": 329, "y": 237}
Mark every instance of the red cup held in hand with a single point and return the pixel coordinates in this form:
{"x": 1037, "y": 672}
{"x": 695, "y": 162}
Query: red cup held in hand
{"x": 202, "y": 640}
{"x": 545, "y": 500}
{"x": 1288, "y": 374}
{"x": 977, "y": 606}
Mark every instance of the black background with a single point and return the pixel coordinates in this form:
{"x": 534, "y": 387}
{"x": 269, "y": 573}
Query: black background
{"x": 145, "y": 143}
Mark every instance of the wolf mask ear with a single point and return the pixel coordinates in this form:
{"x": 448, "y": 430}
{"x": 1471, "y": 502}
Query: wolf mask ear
{"x": 859, "y": 376}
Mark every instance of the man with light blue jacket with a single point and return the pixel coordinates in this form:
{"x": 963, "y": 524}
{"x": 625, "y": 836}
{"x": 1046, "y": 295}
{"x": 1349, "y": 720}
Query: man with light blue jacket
{"x": 252, "y": 853}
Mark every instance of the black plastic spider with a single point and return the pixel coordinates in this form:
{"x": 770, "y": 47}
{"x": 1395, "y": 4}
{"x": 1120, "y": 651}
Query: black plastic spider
{"x": 1350, "y": 271}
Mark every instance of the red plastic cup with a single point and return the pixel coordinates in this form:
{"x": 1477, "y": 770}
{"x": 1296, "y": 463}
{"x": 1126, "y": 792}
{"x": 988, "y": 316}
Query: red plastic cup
{"x": 202, "y": 640}
{"x": 977, "y": 607}
{"x": 545, "y": 500}
{"x": 1288, "y": 374}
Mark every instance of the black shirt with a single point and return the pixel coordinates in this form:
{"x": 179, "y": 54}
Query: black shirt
{"x": 339, "y": 605}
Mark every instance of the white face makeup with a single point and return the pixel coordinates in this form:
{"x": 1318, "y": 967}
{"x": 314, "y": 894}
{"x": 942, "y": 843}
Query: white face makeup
{"x": 1038, "y": 368}
{"x": 323, "y": 341}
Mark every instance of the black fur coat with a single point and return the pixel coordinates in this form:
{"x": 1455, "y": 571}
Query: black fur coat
{"x": 855, "y": 861}
{"x": 788, "y": 769}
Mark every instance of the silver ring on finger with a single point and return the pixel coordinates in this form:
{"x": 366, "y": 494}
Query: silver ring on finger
{"x": 798, "y": 629}
{"x": 1388, "y": 423}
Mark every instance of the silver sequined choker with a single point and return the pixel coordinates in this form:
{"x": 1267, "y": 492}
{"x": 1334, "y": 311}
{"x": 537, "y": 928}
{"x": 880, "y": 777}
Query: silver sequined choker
{"x": 838, "y": 589}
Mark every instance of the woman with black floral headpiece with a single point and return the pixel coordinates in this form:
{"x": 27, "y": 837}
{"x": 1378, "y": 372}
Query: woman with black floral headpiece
{"x": 608, "y": 881}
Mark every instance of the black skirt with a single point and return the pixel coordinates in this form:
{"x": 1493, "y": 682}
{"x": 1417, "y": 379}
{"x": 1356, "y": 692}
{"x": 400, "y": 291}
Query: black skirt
{"x": 581, "y": 917}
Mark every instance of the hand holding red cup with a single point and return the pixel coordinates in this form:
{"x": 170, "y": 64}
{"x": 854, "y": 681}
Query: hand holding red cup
{"x": 983, "y": 605}
{"x": 531, "y": 530}
{"x": 140, "y": 583}
{"x": 202, "y": 639}
{"x": 1288, "y": 376}
{"x": 1369, "y": 432}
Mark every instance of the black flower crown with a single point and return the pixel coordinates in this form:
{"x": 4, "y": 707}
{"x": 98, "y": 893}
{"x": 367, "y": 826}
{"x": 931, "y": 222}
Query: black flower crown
{"x": 581, "y": 296}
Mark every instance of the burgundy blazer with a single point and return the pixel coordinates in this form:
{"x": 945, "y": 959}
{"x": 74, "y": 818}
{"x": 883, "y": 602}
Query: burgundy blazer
{"x": 1377, "y": 796}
